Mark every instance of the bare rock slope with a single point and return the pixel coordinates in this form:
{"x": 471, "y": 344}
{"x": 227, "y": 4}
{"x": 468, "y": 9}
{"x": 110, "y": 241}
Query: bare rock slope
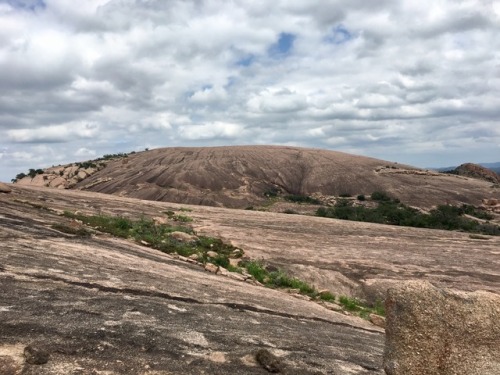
{"x": 240, "y": 176}
{"x": 102, "y": 305}
{"x": 105, "y": 305}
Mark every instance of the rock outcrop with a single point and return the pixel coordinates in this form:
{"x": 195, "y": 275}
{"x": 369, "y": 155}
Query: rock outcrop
{"x": 61, "y": 177}
{"x": 434, "y": 331}
{"x": 477, "y": 171}
{"x": 5, "y": 188}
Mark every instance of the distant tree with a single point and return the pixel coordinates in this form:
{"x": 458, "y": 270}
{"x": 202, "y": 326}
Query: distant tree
{"x": 20, "y": 176}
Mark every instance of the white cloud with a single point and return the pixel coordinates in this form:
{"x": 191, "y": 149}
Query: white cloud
{"x": 85, "y": 152}
{"x": 54, "y": 134}
{"x": 387, "y": 78}
{"x": 215, "y": 130}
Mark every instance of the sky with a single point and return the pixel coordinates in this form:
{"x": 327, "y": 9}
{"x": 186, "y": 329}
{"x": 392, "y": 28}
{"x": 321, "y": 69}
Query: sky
{"x": 416, "y": 82}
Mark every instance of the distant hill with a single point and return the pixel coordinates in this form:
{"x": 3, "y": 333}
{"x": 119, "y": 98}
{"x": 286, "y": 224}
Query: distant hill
{"x": 476, "y": 171}
{"x": 495, "y": 167}
{"x": 242, "y": 176}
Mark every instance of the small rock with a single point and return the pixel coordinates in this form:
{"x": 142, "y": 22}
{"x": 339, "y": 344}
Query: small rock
{"x": 35, "y": 355}
{"x": 377, "y": 320}
{"x": 160, "y": 220}
{"x": 4, "y": 188}
{"x": 332, "y": 306}
{"x": 194, "y": 257}
{"x": 145, "y": 243}
{"x": 237, "y": 253}
{"x": 236, "y": 276}
{"x": 222, "y": 271}
{"x": 234, "y": 262}
{"x": 212, "y": 254}
{"x": 269, "y": 361}
{"x": 183, "y": 237}
{"x": 210, "y": 267}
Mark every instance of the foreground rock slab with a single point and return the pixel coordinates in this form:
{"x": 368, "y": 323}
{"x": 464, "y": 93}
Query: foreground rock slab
{"x": 102, "y": 305}
{"x": 436, "y": 331}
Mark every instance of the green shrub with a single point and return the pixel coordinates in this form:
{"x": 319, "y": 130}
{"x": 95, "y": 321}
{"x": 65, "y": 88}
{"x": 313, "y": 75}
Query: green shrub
{"x": 380, "y": 196}
{"x": 256, "y": 269}
{"x": 301, "y": 199}
{"x": 350, "y": 304}
{"x": 392, "y": 212}
{"x": 282, "y": 280}
{"x": 183, "y": 218}
{"x": 345, "y": 195}
{"x": 361, "y": 197}
{"x": 327, "y": 296}
{"x": 271, "y": 192}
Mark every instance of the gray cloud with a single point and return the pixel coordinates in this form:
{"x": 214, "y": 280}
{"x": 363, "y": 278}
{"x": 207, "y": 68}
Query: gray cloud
{"x": 408, "y": 81}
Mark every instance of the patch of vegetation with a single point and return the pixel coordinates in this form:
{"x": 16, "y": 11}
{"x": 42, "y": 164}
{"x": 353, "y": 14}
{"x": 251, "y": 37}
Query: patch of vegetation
{"x": 359, "y": 308}
{"x": 31, "y": 173}
{"x": 256, "y": 269}
{"x": 381, "y": 196}
{"x": 79, "y": 232}
{"x": 113, "y": 156}
{"x": 179, "y": 217}
{"x": 391, "y": 211}
{"x": 301, "y": 199}
{"x": 290, "y": 211}
{"x": 361, "y": 197}
{"x": 185, "y": 209}
{"x": 327, "y": 296}
{"x": 158, "y": 236}
{"x": 183, "y": 218}
{"x": 272, "y": 192}
{"x": 345, "y": 195}
{"x": 277, "y": 279}
{"x": 473, "y": 211}
{"x": 86, "y": 164}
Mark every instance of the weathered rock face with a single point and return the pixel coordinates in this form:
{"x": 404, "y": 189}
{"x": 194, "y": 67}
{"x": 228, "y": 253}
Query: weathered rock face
{"x": 4, "y": 188}
{"x": 61, "y": 177}
{"x": 434, "y": 331}
{"x": 102, "y": 305}
{"x": 477, "y": 171}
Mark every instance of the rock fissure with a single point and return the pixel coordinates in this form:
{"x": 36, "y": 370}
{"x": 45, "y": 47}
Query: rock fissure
{"x": 234, "y": 306}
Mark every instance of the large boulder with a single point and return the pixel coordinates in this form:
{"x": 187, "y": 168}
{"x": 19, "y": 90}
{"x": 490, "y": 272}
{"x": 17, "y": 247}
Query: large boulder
{"x": 436, "y": 331}
{"x": 4, "y": 188}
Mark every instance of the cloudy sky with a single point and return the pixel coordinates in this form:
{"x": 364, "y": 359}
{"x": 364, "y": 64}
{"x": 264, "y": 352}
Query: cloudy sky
{"x": 414, "y": 81}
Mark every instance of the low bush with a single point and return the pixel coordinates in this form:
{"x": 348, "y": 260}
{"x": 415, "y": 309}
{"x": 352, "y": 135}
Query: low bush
{"x": 381, "y": 196}
{"x": 302, "y": 199}
{"x": 393, "y": 212}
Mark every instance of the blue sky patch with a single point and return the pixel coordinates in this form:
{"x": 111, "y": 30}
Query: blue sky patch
{"x": 246, "y": 61}
{"x": 339, "y": 35}
{"x": 27, "y": 4}
{"x": 283, "y": 46}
